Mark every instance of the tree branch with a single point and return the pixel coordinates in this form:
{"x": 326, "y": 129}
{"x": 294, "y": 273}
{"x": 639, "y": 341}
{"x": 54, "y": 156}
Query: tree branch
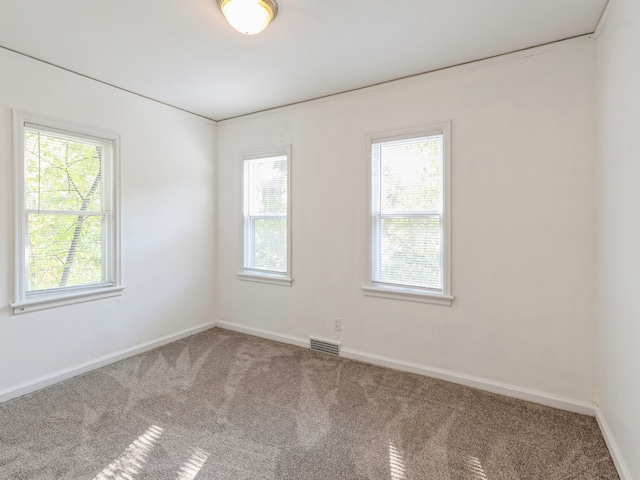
{"x": 78, "y": 229}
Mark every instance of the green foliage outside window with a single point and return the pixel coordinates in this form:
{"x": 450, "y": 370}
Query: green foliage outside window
{"x": 408, "y": 211}
{"x": 65, "y": 199}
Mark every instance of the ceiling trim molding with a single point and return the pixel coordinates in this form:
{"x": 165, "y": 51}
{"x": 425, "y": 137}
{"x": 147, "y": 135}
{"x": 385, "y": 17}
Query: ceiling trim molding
{"x": 480, "y": 63}
{"x": 26, "y": 55}
{"x": 483, "y": 62}
{"x": 606, "y": 13}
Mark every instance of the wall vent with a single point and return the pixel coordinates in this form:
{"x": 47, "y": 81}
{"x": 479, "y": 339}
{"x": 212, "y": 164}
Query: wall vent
{"x": 331, "y": 348}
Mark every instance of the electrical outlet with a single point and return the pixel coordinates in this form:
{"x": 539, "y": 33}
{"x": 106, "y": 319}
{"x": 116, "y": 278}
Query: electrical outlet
{"x": 337, "y": 324}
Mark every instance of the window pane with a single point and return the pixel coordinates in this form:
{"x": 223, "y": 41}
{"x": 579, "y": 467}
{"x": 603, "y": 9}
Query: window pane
{"x": 409, "y": 252}
{"x": 65, "y": 251}
{"x": 269, "y": 242}
{"x": 411, "y": 174}
{"x": 267, "y": 184}
{"x": 62, "y": 174}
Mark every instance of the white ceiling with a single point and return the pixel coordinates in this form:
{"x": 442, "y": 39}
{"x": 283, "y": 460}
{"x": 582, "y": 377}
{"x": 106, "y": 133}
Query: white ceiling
{"x": 184, "y": 53}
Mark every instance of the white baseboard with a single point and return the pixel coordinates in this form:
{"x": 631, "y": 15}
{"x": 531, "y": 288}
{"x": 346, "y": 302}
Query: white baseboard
{"x": 618, "y": 461}
{"x": 543, "y": 398}
{"x": 549, "y": 399}
{"x": 258, "y": 332}
{"x": 67, "y": 373}
{"x": 556, "y": 401}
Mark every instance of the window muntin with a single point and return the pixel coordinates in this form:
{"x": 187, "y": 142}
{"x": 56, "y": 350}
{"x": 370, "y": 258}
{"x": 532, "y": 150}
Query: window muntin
{"x": 409, "y": 223}
{"x": 66, "y": 222}
{"x": 265, "y": 214}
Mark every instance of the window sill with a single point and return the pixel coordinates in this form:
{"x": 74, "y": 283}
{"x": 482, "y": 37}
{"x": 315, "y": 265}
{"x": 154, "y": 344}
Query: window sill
{"x": 273, "y": 279}
{"x": 408, "y": 295}
{"x": 44, "y": 301}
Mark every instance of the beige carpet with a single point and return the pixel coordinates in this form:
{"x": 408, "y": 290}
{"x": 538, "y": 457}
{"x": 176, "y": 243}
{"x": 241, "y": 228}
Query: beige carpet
{"x": 222, "y": 405}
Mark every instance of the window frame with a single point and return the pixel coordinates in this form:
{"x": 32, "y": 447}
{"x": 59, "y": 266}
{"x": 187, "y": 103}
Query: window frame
{"x": 26, "y": 301}
{"x": 253, "y": 274}
{"x": 408, "y": 293}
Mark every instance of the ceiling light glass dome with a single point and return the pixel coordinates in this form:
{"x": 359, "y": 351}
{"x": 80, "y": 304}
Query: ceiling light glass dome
{"x": 249, "y": 16}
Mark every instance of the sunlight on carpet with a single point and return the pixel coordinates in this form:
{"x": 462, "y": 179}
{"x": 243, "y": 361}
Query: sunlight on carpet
{"x": 396, "y": 463}
{"x": 131, "y": 462}
{"x": 475, "y": 467}
{"x": 189, "y": 469}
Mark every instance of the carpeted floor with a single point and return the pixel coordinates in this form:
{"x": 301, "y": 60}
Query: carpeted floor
{"x": 222, "y": 405}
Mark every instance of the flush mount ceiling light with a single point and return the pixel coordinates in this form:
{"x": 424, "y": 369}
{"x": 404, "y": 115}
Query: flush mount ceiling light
{"x": 249, "y": 16}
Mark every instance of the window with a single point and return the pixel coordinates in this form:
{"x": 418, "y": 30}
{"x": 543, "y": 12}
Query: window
{"x": 66, "y": 214}
{"x": 409, "y": 254}
{"x": 266, "y": 239}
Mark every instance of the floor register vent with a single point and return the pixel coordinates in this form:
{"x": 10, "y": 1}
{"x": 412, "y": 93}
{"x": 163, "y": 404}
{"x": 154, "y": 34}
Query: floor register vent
{"x": 325, "y": 347}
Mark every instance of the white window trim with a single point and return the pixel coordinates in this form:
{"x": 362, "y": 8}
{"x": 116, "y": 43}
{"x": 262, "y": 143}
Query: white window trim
{"x": 407, "y": 293}
{"x": 31, "y": 302}
{"x": 254, "y": 275}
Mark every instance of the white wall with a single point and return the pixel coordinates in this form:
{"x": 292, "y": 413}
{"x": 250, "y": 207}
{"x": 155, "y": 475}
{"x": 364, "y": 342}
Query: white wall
{"x": 523, "y": 222}
{"x": 618, "y": 232}
{"x": 167, "y": 166}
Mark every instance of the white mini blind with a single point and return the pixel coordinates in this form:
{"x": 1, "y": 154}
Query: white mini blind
{"x": 265, "y": 214}
{"x": 68, "y": 200}
{"x": 407, "y": 212}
